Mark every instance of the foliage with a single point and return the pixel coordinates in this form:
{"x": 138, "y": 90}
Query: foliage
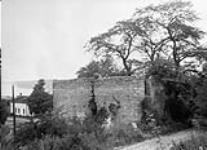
{"x": 7, "y": 147}
{"x": 177, "y": 110}
{"x": 200, "y": 99}
{"x": 4, "y": 111}
{"x": 178, "y": 38}
{"x": 176, "y": 96}
{"x": 26, "y": 133}
{"x": 50, "y": 123}
{"x": 179, "y": 89}
{"x": 154, "y": 124}
{"x": 43, "y": 144}
{"x": 5, "y": 138}
{"x": 104, "y": 68}
{"x": 162, "y": 31}
{"x": 40, "y": 101}
{"x": 195, "y": 142}
{"x": 162, "y": 68}
{"x": 76, "y": 134}
{"x": 185, "y": 99}
{"x": 119, "y": 42}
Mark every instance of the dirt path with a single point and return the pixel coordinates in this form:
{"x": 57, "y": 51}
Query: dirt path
{"x": 162, "y": 143}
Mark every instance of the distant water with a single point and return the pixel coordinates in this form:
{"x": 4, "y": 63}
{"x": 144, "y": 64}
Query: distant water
{"x": 24, "y": 87}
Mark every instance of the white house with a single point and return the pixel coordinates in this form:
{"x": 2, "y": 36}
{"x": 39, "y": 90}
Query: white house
{"x": 21, "y": 107}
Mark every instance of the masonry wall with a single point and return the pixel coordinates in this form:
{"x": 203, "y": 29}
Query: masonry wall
{"x": 73, "y": 95}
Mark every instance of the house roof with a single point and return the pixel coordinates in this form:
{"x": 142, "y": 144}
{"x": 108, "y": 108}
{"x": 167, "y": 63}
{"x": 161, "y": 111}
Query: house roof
{"x": 21, "y": 99}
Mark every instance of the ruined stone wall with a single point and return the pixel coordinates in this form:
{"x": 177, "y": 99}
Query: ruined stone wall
{"x": 157, "y": 95}
{"x": 73, "y": 95}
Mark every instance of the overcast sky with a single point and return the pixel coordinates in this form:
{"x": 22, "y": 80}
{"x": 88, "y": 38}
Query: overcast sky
{"x": 45, "y": 38}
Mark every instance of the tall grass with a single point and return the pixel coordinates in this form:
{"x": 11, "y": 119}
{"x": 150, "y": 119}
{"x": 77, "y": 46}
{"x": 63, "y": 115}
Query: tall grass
{"x": 195, "y": 143}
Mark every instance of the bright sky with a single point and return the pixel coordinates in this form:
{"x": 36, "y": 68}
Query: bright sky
{"x": 45, "y": 38}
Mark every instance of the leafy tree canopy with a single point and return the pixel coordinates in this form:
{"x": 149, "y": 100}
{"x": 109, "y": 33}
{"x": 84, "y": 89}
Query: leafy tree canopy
{"x": 167, "y": 30}
{"x": 120, "y": 43}
{"x": 170, "y": 32}
{"x": 40, "y": 101}
{"x": 104, "y": 67}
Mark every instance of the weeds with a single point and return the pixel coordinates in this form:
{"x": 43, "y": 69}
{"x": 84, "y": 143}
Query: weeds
{"x": 195, "y": 143}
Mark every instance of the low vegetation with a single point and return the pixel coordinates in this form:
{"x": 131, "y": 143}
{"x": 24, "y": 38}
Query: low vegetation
{"x": 195, "y": 143}
{"x": 52, "y": 132}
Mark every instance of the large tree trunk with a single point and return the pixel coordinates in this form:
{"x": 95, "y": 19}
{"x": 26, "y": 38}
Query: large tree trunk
{"x": 126, "y": 67}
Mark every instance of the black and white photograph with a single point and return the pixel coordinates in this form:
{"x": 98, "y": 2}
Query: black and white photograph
{"x": 103, "y": 75}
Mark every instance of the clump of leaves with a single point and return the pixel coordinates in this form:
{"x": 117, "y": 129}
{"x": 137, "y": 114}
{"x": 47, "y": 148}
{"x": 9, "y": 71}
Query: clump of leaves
{"x": 40, "y": 101}
{"x": 4, "y": 111}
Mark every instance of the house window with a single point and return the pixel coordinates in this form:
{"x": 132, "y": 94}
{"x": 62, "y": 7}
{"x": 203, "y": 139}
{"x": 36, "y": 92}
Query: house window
{"x": 23, "y": 111}
{"x": 15, "y": 110}
{"x": 18, "y": 111}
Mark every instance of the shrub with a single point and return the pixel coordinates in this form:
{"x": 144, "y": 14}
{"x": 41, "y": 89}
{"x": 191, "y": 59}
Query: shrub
{"x": 52, "y": 124}
{"x": 4, "y": 111}
{"x": 75, "y": 135}
{"x": 5, "y": 138}
{"x": 6, "y": 147}
{"x": 47, "y": 143}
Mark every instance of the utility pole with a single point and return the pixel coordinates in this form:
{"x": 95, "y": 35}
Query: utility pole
{"x": 14, "y": 116}
{"x": 0, "y": 76}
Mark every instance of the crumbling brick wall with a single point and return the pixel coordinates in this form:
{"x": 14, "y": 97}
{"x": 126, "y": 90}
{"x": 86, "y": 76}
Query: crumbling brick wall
{"x": 73, "y": 95}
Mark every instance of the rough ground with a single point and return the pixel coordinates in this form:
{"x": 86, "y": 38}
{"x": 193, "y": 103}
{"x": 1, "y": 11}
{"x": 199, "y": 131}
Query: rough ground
{"x": 163, "y": 142}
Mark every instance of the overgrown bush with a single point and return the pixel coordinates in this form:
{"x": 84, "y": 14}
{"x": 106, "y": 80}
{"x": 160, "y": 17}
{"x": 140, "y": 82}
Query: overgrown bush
{"x": 53, "y": 133}
{"x": 86, "y": 140}
{"x": 175, "y": 101}
{"x": 40, "y": 101}
{"x": 52, "y": 124}
{"x": 5, "y": 138}
{"x": 4, "y": 111}
{"x": 201, "y": 97}
{"x": 154, "y": 124}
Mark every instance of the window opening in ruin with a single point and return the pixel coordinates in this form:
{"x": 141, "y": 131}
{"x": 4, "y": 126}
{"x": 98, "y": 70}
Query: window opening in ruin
{"x": 92, "y": 102}
{"x": 146, "y": 88}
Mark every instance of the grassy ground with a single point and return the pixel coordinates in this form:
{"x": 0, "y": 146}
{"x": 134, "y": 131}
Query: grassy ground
{"x": 194, "y": 143}
{"x": 166, "y": 142}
